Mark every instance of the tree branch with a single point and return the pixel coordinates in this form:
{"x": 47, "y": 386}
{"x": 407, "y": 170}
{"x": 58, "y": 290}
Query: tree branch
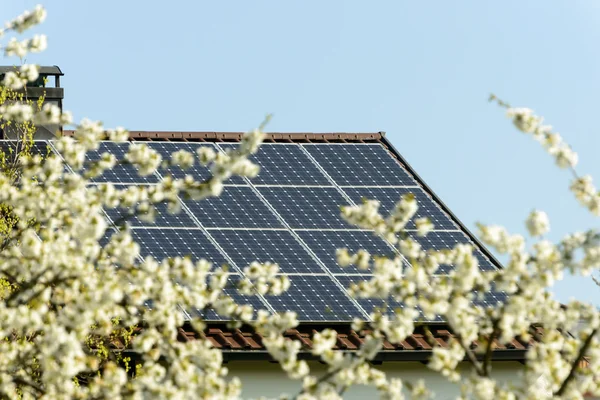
{"x": 582, "y": 350}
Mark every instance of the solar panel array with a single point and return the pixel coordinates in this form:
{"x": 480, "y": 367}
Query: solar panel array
{"x": 289, "y": 214}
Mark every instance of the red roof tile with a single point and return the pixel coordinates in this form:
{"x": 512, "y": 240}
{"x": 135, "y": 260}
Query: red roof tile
{"x": 244, "y": 343}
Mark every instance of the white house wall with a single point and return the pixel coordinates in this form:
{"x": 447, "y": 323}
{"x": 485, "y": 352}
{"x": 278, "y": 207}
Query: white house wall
{"x": 261, "y": 378}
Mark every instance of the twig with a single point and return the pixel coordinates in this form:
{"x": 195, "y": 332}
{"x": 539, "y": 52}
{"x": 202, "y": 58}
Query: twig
{"x": 582, "y": 350}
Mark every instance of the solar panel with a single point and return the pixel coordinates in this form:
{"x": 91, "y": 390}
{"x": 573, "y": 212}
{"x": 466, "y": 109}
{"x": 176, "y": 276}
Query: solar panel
{"x": 198, "y": 171}
{"x": 290, "y": 215}
{"x": 307, "y": 207}
{"x": 325, "y": 243}
{"x": 284, "y": 164}
{"x": 360, "y": 165}
{"x": 161, "y": 243}
{"x": 439, "y": 240}
{"x": 236, "y": 207}
{"x": 11, "y": 148}
{"x": 316, "y": 298}
{"x": 277, "y": 246}
{"x": 369, "y": 303}
{"x": 490, "y": 299}
{"x": 211, "y": 315}
{"x": 163, "y": 218}
{"x": 390, "y": 196}
{"x": 122, "y": 173}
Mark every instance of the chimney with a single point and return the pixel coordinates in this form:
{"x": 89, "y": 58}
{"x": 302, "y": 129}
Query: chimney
{"x": 46, "y": 86}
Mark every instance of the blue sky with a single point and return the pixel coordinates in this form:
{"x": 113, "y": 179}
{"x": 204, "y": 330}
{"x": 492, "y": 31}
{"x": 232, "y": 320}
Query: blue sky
{"x": 421, "y": 71}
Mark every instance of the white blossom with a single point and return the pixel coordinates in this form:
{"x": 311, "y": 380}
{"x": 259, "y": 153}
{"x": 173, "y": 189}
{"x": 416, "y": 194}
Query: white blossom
{"x": 424, "y": 226}
{"x": 27, "y": 20}
{"x": 537, "y": 223}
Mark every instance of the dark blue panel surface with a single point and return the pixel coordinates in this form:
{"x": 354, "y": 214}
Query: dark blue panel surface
{"x": 163, "y": 218}
{"x": 368, "y": 304}
{"x": 236, "y": 207}
{"x": 437, "y": 240}
{"x": 198, "y": 171}
{"x": 280, "y": 247}
{"x": 161, "y": 243}
{"x": 307, "y": 207}
{"x": 490, "y": 299}
{"x": 390, "y": 196}
{"x": 284, "y": 164}
{"x": 106, "y": 237}
{"x": 120, "y": 173}
{"x": 360, "y": 164}
{"x": 324, "y": 245}
{"x": 316, "y": 298}
{"x": 211, "y": 315}
{"x": 10, "y": 148}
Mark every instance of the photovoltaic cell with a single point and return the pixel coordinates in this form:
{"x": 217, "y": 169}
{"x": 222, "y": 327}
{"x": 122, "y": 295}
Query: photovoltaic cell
{"x": 122, "y": 173}
{"x": 315, "y": 298}
{"x": 277, "y": 246}
{"x": 106, "y": 237}
{"x": 360, "y": 165}
{"x": 490, "y": 299}
{"x": 13, "y": 147}
{"x": 236, "y": 207}
{"x": 437, "y": 240}
{"x": 120, "y": 216}
{"x": 163, "y": 218}
{"x": 390, "y": 196}
{"x": 284, "y": 164}
{"x": 198, "y": 171}
{"x": 369, "y": 304}
{"x": 211, "y": 315}
{"x": 16, "y": 146}
{"x": 303, "y": 207}
{"x": 324, "y": 245}
{"x": 161, "y": 243}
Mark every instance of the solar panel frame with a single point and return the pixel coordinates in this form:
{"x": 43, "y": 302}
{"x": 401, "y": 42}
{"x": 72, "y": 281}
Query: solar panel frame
{"x": 438, "y": 240}
{"x": 369, "y": 304}
{"x": 307, "y": 207}
{"x": 171, "y": 242}
{"x": 198, "y": 171}
{"x": 38, "y": 147}
{"x": 324, "y": 244}
{"x": 347, "y": 167}
{"x": 389, "y": 196}
{"x": 328, "y": 302}
{"x": 277, "y": 246}
{"x": 121, "y": 173}
{"x": 284, "y": 164}
{"x": 257, "y": 302}
{"x": 163, "y": 219}
{"x": 236, "y": 207}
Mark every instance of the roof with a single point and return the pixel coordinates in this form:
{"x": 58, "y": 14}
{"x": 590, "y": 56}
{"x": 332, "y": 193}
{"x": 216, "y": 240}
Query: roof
{"x": 244, "y": 343}
{"x": 237, "y": 344}
{"x": 210, "y": 136}
{"x": 307, "y": 137}
{"x": 44, "y": 70}
{"x": 416, "y": 347}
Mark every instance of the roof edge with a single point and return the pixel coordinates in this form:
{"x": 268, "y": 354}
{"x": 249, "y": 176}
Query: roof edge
{"x": 209, "y": 136}
{"x": 244, "y": 343}
{"x": 442, "y": 205}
